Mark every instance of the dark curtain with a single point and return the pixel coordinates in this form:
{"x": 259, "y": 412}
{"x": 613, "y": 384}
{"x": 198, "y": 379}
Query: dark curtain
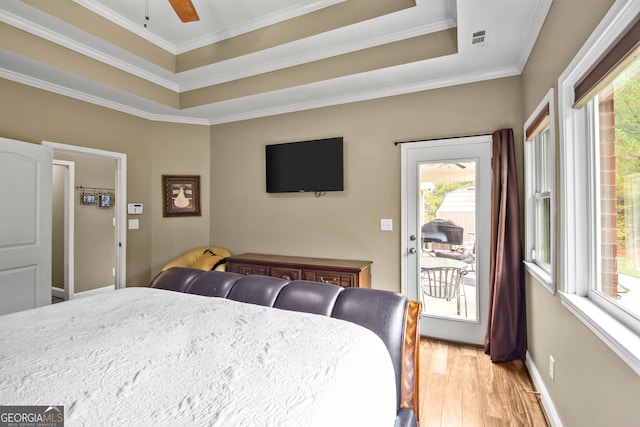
{"x": 506, "y": 337}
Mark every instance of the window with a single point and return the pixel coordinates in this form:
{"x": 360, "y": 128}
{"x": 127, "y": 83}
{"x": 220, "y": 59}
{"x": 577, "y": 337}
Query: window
{"x": 539, "y": 200}
{"x": 616, "y": 155}
{"x": 599, "y": 106}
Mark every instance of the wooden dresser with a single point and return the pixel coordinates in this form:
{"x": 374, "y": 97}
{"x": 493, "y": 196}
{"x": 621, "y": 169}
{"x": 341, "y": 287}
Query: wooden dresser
{"x": 347, "y": 273}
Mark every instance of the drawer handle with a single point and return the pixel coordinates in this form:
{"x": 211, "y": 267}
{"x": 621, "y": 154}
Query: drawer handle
{"x": 329, "y": 281}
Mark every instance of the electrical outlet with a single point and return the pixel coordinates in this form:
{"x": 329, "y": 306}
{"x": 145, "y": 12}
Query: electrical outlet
{"x": 552, "y": 367}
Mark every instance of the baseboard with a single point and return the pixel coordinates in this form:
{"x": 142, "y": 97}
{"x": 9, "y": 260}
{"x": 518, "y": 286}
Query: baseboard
{"x": 59, "y": 292}
{"x": 94, "y": 291}
{"x": 547, "y": 404}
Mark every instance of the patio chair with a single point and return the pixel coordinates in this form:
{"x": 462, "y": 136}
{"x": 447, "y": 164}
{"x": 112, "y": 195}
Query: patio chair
{"x": 444, "y": 283}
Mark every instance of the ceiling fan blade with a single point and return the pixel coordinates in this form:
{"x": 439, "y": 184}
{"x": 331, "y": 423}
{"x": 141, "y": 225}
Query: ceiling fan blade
{"x": 185, "y": 10}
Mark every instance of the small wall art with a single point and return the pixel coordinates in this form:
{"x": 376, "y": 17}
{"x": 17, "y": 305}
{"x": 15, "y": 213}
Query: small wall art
{"x": 95, "y": 196}
{"x": 87, "y": 199}
{"x": 181, "y": 195}
{"x": 106, "y": 200}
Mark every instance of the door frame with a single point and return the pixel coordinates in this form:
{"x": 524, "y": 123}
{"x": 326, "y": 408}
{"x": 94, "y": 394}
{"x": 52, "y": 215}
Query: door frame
{"x": 482, "y": 256}
{"x": 69, "y": 231}
{"x": 120, "y": 205}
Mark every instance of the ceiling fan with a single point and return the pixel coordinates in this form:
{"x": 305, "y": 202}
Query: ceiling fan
{"x": 185, "y": 10}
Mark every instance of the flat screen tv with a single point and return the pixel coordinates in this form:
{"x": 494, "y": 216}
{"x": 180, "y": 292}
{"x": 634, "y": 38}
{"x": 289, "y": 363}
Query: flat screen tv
{"x": 305, "y": 166}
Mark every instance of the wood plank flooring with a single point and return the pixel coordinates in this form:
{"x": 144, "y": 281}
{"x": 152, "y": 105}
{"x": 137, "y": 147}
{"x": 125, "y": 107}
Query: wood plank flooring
{"x": 461, "y": 387}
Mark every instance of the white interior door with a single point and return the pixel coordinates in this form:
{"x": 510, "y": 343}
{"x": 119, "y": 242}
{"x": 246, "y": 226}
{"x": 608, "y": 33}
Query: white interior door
{"x": 25, "y": 225}
{"x": 446, "y": 203}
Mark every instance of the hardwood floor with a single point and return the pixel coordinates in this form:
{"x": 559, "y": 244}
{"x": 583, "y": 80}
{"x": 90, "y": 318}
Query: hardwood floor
{"x": 460, "y": 386}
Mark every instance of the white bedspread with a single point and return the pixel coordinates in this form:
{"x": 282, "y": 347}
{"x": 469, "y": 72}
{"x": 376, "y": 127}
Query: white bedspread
{"x": 147, "y": 357}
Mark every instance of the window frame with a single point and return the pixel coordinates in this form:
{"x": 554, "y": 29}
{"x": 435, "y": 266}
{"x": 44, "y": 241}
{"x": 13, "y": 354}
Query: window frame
{"x": 543, "y": 272}
{"x": 578, "y": 221}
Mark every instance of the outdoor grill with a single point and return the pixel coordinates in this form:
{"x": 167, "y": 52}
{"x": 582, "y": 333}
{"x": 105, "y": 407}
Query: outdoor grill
{"x": 442, "y": 231}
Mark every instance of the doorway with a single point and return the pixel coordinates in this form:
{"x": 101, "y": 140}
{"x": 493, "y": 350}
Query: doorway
{"x": 63, "y": 231}
{"x": 446, "y": 194}
{"x": 117, "y": 214}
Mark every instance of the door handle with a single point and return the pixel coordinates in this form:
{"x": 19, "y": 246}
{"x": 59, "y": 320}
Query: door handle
{"x": 412, "y": 250}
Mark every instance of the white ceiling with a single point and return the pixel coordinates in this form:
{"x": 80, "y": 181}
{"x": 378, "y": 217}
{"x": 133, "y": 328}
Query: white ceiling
{"x": 511, "y": 27}
{"x": 219, "y": 19}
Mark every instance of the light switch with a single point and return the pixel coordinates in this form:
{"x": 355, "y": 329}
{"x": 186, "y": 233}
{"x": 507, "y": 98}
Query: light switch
{"x": 386, "y": 224}
{"x": 134, "y": 224}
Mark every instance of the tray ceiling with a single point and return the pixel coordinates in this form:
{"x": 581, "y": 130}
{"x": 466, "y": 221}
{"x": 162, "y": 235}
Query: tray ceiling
{"x": 246, "y": 59}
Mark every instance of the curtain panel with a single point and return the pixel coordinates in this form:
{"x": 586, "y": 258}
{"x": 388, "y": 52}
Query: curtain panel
{"x": 506, "y": 337}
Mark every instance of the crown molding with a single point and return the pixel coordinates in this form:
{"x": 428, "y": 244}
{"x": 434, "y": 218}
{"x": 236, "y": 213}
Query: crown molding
{"x": 255, "y": 24}
{"x": 281, "y": 57}
{"x": 136, "y": 28}
{"x": 539, "y": 16}
{"x": 268, "y": 60}
{"x": 368, "y": 95}
{"x": 345, "y": 98}
{"x": 449, "y": 70}
{"x": 125, "y": 63}
{"x": 176, "y": 49}
{"x": 97, "y": 100}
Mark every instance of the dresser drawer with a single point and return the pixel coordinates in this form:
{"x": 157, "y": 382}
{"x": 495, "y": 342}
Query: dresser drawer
{"x": 343, "y": 279}
{"x": 342, "y": 272}
{"x": 248, "y": 269}
{"x": 286, "y": 273}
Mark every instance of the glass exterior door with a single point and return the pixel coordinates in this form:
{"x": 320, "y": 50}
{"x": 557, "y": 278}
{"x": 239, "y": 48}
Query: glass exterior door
{"x": 446, "y": 203}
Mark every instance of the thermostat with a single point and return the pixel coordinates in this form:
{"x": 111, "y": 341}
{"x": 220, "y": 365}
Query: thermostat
{"x": 134, "y": 208}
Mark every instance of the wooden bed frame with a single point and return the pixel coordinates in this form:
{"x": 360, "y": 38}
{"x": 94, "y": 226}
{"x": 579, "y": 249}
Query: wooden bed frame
{"x": 411, "y": 359}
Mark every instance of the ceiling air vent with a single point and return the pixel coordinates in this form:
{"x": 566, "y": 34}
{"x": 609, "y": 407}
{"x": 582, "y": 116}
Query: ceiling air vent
{"x": 479, "y": 38}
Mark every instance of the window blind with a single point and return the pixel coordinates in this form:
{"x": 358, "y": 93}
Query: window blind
{"x": 538, "y": 124}
{"x": 622, "y": 51}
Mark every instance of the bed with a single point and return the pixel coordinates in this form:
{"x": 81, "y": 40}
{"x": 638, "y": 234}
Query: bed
{"x": 218, "y": 349}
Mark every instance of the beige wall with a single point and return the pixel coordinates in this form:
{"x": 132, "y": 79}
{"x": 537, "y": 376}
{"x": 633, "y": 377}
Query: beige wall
{"x": 236, "y": 211}
{"x": 152, "y": 149}
{"x": 343, "y": 224}
{"x": 177, "y": 150}
{"x": 593, "y": 386}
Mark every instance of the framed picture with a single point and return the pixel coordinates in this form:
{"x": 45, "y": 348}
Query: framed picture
{"x": 87, "y": 199}
{"x": 181, "y": 195}
{"x": 106, "y": 200}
